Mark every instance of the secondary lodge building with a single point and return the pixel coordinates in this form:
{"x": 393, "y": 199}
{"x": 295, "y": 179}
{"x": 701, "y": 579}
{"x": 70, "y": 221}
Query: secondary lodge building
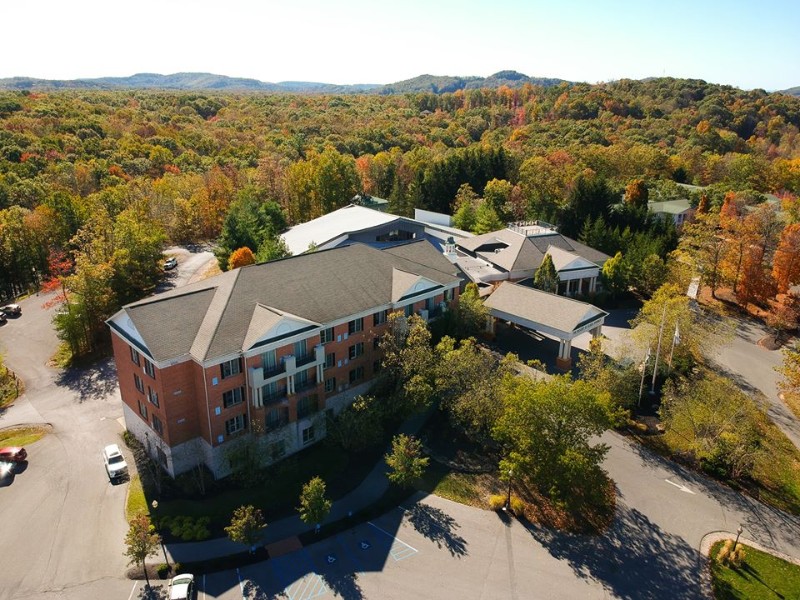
{"x": 266, "y": 348}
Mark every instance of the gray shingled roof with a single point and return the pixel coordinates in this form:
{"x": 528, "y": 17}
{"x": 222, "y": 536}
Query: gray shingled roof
{"x": 525, "y": 253}
{"x": 321, "y": 287}
{"x": 558, "y": 312}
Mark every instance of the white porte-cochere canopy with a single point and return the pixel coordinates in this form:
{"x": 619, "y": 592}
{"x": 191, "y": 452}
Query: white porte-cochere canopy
{"x": 553, "y": 315}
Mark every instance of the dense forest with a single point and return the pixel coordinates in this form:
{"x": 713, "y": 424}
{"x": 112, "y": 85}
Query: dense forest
{"x": 93, "y": 183}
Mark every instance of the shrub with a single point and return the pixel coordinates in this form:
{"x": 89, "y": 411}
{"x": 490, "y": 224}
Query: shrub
{"x": 497, "y": 501}
{"x": 162, "y": 570}
{"x": 724, "y": 552}
{"x": 517, "y": 506}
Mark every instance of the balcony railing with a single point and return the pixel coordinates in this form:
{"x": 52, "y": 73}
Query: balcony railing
{"x": 276, "y": 423}
{"x": 272, "y": 370}
{"x": 274, "y": 398}
{"x": 304, "y": 360}
{"x": 307, "y": 407}
{"x": 302, "y": 386}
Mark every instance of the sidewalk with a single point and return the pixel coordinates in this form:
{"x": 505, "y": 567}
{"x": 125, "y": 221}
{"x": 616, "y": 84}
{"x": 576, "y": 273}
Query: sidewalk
{"x": 369, "y": 491}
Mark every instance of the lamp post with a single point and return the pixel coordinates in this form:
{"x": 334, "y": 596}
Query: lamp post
{"x": 508, "y": 496}
{"x": 738, "y": 533}
{"x": 154, "y": 504}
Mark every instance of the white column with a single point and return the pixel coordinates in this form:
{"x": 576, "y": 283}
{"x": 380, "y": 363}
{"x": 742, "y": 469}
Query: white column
{"x": 565, "y": 349}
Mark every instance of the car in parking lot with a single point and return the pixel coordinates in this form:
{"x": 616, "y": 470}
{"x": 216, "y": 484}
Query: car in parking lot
{"x": 11, "y": 310}
{"x": 181, "y": 587}
{"x": 116, "y": 467}
{"x": 2, "y": 317}
{"x": 170, "y": 263}
{"x": 13, "y": 454}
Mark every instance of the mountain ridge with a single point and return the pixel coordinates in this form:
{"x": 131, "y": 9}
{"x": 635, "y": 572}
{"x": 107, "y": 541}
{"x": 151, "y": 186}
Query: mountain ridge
{"x": 190, "y": 81}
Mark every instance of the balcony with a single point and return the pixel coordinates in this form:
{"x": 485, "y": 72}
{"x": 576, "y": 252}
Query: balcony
{"x": 272, "y": 371}
{"x": 304, "y": 386}
{"x": 275, "y": 398}
{"x": 307, "y": 407}
{"x": 276, "y": 420}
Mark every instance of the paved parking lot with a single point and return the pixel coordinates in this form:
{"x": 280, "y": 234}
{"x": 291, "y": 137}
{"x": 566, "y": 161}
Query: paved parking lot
{"x": 411, "y": 552}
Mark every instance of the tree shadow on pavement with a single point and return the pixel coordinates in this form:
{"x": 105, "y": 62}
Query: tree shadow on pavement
{"x": 93, "y": 383}
{"x": 344, "y": 585}
{"x": 252, "y": 591}
{"x": 634, "y": 560}
{"x": 437, "y": 526}
{"x": 154, "y": 592}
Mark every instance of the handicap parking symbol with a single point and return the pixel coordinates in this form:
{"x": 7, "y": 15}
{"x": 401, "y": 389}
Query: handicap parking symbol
{"x": 331, "y": 559}
{"x": 365, "y": 545}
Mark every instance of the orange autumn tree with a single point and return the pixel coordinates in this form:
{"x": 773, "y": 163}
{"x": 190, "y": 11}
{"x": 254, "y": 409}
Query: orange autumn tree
{"x": 786, "y": 264}
{"x": 241, "y": 258}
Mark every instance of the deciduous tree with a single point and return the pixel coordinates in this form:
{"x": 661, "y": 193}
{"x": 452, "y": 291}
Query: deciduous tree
{"x": 314, "y": 504}
{"x": 246, "y": 527}
{"x": 406, "y": 461}
{"x": 141, "y": 541}
{"x": 241, "y": 258}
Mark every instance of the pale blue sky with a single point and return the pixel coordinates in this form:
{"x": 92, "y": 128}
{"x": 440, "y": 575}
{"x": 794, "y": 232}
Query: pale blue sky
{"x": 748, "y": 44}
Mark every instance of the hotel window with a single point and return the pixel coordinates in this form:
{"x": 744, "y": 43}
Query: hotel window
{"x": 134, "y": 355}
{"x": 152, "y": 396}
{"x": 232, "y": 397}
{"x": 376, "y": 343}
{"x": 149, "y": 368}
{"x": 142, "y": 409}
{"x": 138, "y": 383}
{"x": 379, "y": 318}
{"x": 355, "y": 326}
{"x": 376, "y": 367}
{"x": 356, "y": 374}
{"x": 157, "y": 426}
{"x": 448, "y": 295}
{"x": 330, "y": 385}
{"x": 326, "y": 335}
{"x": 356, "y": 350}
{"x": 308, "y": 435}
{"x": 330, "y": 360}
{"x": 236, "y": 424}
{"x": 408, "y": 310}
{"x": 231, "y": 367}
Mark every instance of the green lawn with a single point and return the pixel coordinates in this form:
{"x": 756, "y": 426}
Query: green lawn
{"x": 137, "y": 502}
{"x": 21, "y": 436}
{"x": 761, "y": 576}
{"x": 464, "y": 488}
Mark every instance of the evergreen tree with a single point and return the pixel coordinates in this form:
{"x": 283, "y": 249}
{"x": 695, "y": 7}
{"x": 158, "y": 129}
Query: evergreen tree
{"x": 546, "y": 278}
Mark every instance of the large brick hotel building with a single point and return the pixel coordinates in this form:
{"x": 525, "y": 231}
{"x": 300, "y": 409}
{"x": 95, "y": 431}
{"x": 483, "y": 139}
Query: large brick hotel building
{"x": 266, "y": 348}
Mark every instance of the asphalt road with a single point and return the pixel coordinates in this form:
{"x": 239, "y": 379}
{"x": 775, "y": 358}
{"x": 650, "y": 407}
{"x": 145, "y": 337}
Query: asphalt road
{"x": 63, "y": 522}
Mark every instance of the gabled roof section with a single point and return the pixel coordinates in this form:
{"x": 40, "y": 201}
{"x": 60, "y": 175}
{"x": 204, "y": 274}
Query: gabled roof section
{"x": 164, "y": 327}
{"x": 408, "y": 284}
{"x": 268, "y": 323}
{"x": 350, "y": 219}
{"x": 568, "y": 261}
{"x": 222, "y": 315}
{"x": 540, "y": 308}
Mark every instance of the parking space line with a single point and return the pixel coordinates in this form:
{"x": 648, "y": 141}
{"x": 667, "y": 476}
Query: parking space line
{"x": 241, "y": 585}
{"x": 397, "y": 555}
{"x": 135, "y": 583}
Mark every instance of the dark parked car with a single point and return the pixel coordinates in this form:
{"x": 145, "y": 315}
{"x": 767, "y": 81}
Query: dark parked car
{"x": 11, "y": 310}
{"x": 2, "y": 317}
{"x": 13, "y": 454}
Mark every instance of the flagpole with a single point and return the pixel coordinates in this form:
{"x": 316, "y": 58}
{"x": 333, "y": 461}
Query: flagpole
{"x": 676, "y": 338}
{"x": 644, "y": 372}
{"x": 658, "y": 349}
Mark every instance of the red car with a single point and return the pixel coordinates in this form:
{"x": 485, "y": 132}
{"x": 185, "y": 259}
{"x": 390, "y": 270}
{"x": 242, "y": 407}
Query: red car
{"x": 13, "y": 454}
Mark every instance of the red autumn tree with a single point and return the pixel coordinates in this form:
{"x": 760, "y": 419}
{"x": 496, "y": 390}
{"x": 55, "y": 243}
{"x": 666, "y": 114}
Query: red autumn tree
{"x": 786, "y": 264}
{"x": 756, "y": 284}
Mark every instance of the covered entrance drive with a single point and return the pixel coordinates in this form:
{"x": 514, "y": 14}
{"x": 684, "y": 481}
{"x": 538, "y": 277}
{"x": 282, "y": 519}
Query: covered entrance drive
{"x": 556, "y": 316}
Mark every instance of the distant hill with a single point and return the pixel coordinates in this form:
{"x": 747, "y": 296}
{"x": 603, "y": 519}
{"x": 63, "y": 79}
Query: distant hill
{"x": 182, "y": 81}
{"x": 441, "y": 84}
{"x": 795, "y": 91}
{"x": 438, "y": 84}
